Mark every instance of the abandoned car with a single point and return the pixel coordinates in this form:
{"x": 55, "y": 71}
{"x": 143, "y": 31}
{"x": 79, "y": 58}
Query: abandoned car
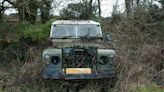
{"x": 79, "y": 50}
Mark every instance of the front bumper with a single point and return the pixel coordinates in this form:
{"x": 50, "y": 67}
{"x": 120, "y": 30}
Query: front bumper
{"x": 61, "y": 75}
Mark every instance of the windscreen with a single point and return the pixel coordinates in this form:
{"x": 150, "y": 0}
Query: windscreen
{"x": 76, "y": 31}
{"x": 61, "y": 31}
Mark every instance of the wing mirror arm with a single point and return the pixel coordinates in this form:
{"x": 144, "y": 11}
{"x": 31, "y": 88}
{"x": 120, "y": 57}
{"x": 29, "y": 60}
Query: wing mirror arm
{"x": 49, "y": 41}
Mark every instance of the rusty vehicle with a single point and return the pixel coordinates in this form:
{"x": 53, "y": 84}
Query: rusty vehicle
{"x": 79, "y": 50}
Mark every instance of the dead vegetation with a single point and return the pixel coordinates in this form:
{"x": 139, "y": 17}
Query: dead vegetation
{"x": 139, "y": 61}
{"x": 140, "y": 54}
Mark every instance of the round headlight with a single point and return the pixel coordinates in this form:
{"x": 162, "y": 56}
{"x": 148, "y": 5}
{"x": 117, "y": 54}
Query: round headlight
{"x": 103, "y": 60}
{"x": 55, "y": 59}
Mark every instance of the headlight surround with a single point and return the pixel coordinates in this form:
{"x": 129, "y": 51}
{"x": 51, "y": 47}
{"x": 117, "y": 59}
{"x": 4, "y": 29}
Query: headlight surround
{"x": 55, "y": 60}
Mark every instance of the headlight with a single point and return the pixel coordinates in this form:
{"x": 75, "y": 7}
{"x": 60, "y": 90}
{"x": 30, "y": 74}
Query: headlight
{"x": 111, "y": 56}
{"x": 103, "y": 60}
{"x": 55, "y": 59}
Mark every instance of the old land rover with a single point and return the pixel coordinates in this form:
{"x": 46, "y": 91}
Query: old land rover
{"x": 79, "y": 50}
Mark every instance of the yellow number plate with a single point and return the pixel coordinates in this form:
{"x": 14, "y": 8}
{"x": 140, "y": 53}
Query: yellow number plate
{"x": 78, "y": 70}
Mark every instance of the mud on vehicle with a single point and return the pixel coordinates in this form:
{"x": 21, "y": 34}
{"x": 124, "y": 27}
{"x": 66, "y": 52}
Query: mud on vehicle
{"x": 79, "y": 50}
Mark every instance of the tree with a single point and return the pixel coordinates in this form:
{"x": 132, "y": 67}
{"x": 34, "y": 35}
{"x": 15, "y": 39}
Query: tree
{"x": 90, "y": 7}
{"x": 31, "y": 13}
{"x": 45, "y": 7}
{"x": 116, "y": 15}
{"x": 83, "y": 10}
{"x": 128, "y": 7}
{"x": 27, "y": 9}
{"x": 2, "y": 8}
{"x": 74, "y": 11}
{"x": 162, "y": 3}
{"x": 137, "y": 2}
{"x": 99, "y": 7}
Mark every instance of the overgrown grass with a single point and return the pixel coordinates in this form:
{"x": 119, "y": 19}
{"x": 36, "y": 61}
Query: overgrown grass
{"x": 150, "y": 88}
{"x": 138, "y": 57}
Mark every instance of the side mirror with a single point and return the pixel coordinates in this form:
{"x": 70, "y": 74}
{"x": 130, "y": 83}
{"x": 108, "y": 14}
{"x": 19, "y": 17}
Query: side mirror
{"x": 108, "y": 37}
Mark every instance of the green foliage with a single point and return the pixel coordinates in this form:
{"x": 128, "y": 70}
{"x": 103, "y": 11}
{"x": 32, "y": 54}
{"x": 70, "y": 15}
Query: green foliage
{"x": 24, "y": 31}
{"x": 150, "y": 88}
{"x": 15, "y": 40}
{"x": 37, "y": 33}
{"x": 2, "y": 90}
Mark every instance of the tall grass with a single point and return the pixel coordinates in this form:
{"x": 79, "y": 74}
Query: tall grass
{"x": 138, "y": 53}
{"x": 150, "y": 88}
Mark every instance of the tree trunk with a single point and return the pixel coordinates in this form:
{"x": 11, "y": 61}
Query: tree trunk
{"x": 27, "y": 9}
{"x": 138, "y": 2}
{"x": 0, "y": 16}
{"x": 19, "y": 4}
{"x": 31, "y": 11}
{"x": 0, "y": 12}
{"x": 21, "y": 14}
{"x": 2, "y": 9}
{"x": 45, "y": 10}
{"x": 128, "y": 7}
{"x": 99, "y": 6}
{"x": 90, "y": 8}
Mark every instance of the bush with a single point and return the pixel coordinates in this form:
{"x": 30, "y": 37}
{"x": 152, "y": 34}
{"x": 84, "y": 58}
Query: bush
{"x": 4, "y": 28}
{"x": 17, "y": 38}
{"x": 37, "y": 33}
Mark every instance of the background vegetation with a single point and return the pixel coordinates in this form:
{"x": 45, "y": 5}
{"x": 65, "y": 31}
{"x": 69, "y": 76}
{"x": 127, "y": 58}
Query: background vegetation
{"x": 138, "y": 38}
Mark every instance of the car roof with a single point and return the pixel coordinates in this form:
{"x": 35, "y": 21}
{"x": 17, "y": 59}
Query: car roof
{"x": 67, "y": 22}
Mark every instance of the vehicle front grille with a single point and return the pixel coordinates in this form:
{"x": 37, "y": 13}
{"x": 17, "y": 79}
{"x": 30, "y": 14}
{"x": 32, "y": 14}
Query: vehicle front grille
{"x": 79, "y": 57}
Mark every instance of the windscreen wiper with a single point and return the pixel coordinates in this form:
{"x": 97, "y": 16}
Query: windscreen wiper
{"x": 65, "y": 37}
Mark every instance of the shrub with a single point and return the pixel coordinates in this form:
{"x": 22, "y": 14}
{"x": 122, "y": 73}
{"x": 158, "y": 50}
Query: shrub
{"x": 4, "y": 28}
{"x": 37, "y": 33}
